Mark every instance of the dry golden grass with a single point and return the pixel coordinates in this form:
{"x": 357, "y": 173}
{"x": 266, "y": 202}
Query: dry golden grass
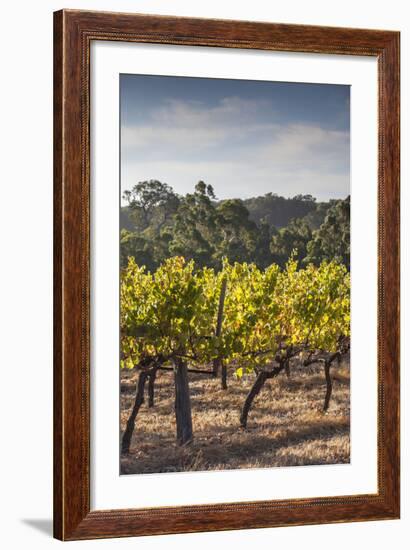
{"x": 286, "y": 425}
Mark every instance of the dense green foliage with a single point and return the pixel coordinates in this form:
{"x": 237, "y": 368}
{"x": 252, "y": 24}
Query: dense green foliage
{"x": 332, "y": 240}
{"x": 158, "y": 224}
{"x": 294, "y": 237}
{"x": 172, "y": 312}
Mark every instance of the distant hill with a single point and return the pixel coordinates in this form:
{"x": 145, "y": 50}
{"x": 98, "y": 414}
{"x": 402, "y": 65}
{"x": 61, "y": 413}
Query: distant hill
{"x": 273, "y": 209}
{"x": 277, "y": 210}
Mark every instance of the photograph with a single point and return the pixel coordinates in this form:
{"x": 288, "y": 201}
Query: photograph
{"x": 226, "y": 286}
{"x": 234, "y": 274}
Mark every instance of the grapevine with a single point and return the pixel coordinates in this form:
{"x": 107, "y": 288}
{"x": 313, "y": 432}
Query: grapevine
{"x": 186, "y": 317}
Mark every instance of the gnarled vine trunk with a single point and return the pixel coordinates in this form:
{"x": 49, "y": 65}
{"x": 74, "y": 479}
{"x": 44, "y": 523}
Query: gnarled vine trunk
{"x": 224, "y": 376}
{"x": 256, "y": 388}
{"x": 151, "y": 387}
{"x": 328, "y": 386}
{"x": 254, "y": 391}
{"x": 183, "y": 414}
{"x": 139, "y": 400}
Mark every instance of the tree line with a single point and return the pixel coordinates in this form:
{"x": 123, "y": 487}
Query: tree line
{"x": 157, "y": 224}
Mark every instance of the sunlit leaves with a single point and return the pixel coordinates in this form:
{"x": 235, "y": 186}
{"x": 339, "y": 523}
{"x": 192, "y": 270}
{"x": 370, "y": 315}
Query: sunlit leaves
{"x": 172, "y": 312}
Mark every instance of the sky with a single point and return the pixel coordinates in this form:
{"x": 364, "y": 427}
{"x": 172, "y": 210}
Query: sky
{"x": 245, "y": 138}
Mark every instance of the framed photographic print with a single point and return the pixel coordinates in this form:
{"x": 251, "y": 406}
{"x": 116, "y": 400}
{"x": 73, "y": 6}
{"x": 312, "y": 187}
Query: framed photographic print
{"x": 226, "y": 275}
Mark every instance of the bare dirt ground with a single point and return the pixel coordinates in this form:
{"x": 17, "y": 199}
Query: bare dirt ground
{"x": 286, "y": 425}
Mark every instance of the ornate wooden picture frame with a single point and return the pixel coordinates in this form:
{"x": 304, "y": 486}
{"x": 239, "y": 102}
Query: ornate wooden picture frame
{"x": 74, "y": 31}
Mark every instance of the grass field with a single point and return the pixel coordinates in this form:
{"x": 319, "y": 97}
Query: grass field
{"x": 286, "y": 426}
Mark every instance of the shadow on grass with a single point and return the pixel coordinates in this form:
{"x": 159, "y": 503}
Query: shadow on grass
{"x": 260, "y": 450}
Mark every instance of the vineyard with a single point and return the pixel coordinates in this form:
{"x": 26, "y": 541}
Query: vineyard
{"x": 195, "y": 340}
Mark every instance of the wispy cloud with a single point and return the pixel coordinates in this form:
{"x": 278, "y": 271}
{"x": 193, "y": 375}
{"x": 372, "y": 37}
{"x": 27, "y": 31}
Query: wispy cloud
{"x": 195, "y": 124}
{"x": 227, "y": 111}
{"x": 239, "y": 146}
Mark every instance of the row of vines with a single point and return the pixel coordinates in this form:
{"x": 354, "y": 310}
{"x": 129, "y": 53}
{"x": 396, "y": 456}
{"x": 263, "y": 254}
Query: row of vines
{"x": 196, "y": 321}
